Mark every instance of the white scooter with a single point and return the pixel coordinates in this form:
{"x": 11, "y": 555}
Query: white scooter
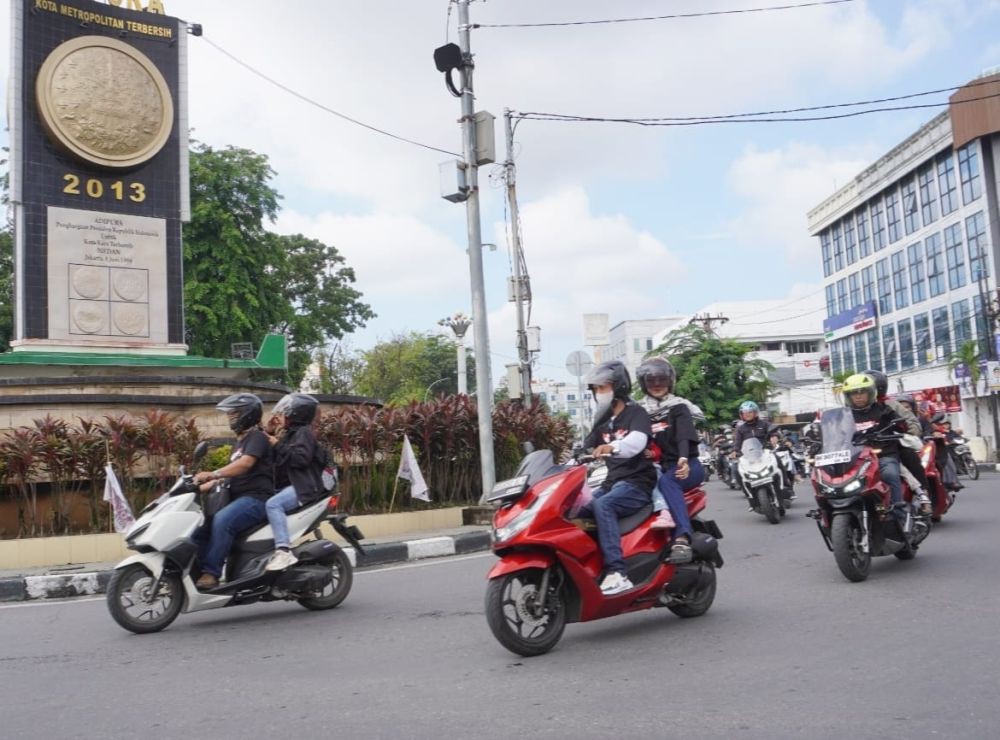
{"x": 149, "y": 589}
{"x": 762, "y": 479}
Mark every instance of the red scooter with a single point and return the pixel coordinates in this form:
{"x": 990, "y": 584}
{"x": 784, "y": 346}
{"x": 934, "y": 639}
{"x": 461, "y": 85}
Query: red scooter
{"x": 855, "y": 514}
{"x": 550, "y": 565}
{"x": 941, "y": 497}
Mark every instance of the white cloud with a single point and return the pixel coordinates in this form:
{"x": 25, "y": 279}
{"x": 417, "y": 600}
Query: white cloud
{"x": 779, "y": 186}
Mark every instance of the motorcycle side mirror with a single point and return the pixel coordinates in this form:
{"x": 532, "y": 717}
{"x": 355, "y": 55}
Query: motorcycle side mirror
{"x": 199, "y": 452}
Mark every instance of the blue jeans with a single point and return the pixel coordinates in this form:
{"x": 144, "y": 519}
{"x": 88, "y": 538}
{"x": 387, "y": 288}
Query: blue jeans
{"x": 670, "y": 490}
{"x": 622, "y": 499}
{"x": 276, "y": 506}
{"x": 216, "y": 538}
{"x": 888, "y": 467}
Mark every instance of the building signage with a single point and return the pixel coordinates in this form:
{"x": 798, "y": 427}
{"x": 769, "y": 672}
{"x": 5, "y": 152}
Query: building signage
{"x": 852, "y": 321}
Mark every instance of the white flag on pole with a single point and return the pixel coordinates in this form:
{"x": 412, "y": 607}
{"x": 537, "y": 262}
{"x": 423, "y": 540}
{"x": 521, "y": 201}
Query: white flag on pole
{"x": 119, "y": 504}
{"x": 409, "y": 470}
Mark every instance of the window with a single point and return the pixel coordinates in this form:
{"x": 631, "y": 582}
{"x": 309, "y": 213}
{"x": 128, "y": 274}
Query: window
{"x": 878, "y": 226}
{"x": 921, "y": 339}
{"x": 838, "y": 248}
{"x": 636, "y": 347}
{"x": 867, "y": 285}
{"x": 836, "y": 362}
{"x": 899, "y": 279}
{"x": 918, "y": 291}
{"x": 842, "y": 295}
{"x": 798, "y": 348}
{"x": 946, "y": 183}
{"x": 892, "y": 215}
{"x": 649, "y": 344}
{"x": 961, "y": 322}
{"x": 968, "y": 171}
{"x": 853, "y": 290}
{"x": 889, "y": 348}
{"x": 905, "y": 333}
{"x": 935, "y": 267}
{"x": 874, "y": 350}
{"x": 982, "y": 325}
{"x": 956, "y": 258}
{"x": 884, "y": 286}
{"x": 824, "y": 243}
{"x": 975, "y": 235}
{"x": 911, "y": 209}
{"x": 850, "y": 245}
{"x": 942, "y": 331}
{"x": 572, "y": 411}
{"x": 570, "y": 396}
{"x": 831, "y": 302}
{"x": 928, "y": 194}
{"x": 864, "y": 243}
{"x": 848, "y": 352}
{"x": 860, "y": 360}
{"x": 772, "y": 346}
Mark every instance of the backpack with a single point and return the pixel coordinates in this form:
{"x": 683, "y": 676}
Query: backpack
{"x": 327, "y": 469}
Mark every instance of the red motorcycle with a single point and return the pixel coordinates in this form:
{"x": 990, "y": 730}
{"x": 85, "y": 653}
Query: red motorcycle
{"x": 856, "y": 516}
{"x": 941, "y": 498}
{"x": 550, "y": 564}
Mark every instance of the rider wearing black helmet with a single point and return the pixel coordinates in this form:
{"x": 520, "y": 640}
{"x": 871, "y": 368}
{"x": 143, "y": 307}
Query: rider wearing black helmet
{"x": 620, "y": 435}
{"x": 298, "y": 465}
{"x": 250, "y": 471}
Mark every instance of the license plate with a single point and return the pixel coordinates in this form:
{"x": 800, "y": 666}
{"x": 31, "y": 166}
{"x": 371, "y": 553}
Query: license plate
{"x": 832, "y": 458}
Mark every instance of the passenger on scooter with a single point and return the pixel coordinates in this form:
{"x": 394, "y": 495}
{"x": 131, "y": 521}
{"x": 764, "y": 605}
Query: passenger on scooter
{"x": 296, "y": 471}
{"x": 250, "y": 471}
{"x": 860, "y": 396}
{"x": 909, "y": 450}
{"x": 620, "y": 435}
{"x": 676, "y": 441}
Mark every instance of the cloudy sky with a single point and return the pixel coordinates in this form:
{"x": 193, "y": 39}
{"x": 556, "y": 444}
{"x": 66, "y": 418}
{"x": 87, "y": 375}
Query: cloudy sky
{"x": 635, "y": 222}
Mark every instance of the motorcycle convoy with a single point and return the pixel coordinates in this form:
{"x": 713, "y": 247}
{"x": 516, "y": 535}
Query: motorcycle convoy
{"x": 549, "y": 560}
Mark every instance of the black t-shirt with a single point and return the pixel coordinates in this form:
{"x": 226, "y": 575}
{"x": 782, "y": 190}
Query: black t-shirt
{"x": 637, "y": 469}
{"x": 259, "y": 480}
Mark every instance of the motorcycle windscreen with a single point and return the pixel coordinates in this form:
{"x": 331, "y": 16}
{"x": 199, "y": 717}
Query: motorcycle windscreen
{"x": 837, "y": 430}
{"x": 753, "y": 450}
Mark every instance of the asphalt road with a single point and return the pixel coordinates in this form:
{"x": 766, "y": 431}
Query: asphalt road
{"x": 790, "y": 649}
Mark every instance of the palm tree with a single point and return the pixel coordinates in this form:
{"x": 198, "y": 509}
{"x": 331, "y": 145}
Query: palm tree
{"x": 968, "y": 354}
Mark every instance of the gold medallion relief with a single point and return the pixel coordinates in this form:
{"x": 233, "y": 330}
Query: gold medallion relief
{"x": 104, "y": 101}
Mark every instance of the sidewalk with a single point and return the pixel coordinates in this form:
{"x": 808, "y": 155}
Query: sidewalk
{"x": 65, "y": 581}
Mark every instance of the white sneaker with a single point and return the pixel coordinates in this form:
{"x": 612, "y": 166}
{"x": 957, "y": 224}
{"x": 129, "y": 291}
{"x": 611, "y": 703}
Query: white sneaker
{"x": 615, "y": 583}
{"x": 280, "y": 560}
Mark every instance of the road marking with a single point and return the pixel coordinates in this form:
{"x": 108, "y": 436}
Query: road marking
{"x": 406, "y": 566}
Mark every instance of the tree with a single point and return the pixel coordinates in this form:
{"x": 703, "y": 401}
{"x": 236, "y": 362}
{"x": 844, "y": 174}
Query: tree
{"x": 242, "y": 281}
{"x": 338, "y": 366}
{"x": 6, "y": 266}
{"x": 406, "y": 367}
{"x": 968, "y": 355}
{"x": 714, "y": 372}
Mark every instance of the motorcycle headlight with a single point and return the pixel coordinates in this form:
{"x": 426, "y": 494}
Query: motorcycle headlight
{"x": 853, "y": 486}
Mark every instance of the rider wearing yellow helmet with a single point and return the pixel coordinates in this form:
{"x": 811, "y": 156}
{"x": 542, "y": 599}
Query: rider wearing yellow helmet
{"x": 861, "y": 397}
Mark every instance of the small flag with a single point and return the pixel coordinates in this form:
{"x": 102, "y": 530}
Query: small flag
{"x": 409, "y": 470}
{"x": 119, "y": 504}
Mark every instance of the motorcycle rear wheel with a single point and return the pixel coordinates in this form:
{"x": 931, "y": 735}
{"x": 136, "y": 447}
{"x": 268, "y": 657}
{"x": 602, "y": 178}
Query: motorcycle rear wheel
{"x": 130, "y": 604}
{"x": 699, "y": 602}
{"x": 853, "y": 561}
{"x": 339, "y": 587}
{"x": 767, "y": 508}
{"x": 510, "y": 601}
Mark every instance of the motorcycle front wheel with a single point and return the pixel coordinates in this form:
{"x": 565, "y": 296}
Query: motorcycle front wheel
{"x": 133, "y": 606}
{"x": 767, "y": 507}
{"x": 514, "y": 617}
{"x": 336, "y": 591}
{"x": 847, "y": 537}
{"x": 971, "y": 469}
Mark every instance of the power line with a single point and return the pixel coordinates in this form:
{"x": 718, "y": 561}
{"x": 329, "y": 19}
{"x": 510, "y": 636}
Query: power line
{"x": 750, "y": 117}
{"x": 781, "y": 320}
{"x": 322, "y": 107}
{"x": 672, "y": 16}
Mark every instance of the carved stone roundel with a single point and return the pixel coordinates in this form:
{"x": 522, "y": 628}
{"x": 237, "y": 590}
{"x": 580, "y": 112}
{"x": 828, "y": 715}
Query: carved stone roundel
{"x": 104, "y": 101}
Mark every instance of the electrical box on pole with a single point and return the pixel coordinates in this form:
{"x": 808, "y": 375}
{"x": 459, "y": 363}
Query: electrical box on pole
{"x": 454, "y": 183}
{"x": 486, "y": 150}
{"x": 534, "y": 339}
{"x": 514, "y": 381}
{"x": 515, "y": 296}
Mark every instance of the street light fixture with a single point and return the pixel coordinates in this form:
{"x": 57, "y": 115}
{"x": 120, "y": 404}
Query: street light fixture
{"x": 428, "y": 391}
{"x": 459, "y": 324}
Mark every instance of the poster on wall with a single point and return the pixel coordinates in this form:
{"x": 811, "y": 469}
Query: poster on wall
{"x": 947, "y": 398}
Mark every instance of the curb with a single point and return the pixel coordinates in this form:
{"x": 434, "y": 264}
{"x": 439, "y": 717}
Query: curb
{"x": 26, "y": 588}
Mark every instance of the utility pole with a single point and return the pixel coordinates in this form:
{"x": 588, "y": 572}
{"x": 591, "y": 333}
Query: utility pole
{"x": 706, "y": 321}
{"x": 484, "y": 393}
{"x": 521, "y": 290}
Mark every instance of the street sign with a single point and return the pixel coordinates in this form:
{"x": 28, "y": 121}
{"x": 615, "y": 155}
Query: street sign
{"x": 578, "y": 363}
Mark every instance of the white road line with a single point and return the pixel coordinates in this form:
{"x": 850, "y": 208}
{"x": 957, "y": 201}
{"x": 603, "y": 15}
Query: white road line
{"x": 357, "y": 573}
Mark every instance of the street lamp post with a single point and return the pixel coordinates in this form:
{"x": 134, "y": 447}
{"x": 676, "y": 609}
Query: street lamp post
{"x": 459, "y": 324}
{"x": 428, "y": 391}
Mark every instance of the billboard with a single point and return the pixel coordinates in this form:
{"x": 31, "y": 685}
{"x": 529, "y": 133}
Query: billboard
{"x": 849, "y": 322}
